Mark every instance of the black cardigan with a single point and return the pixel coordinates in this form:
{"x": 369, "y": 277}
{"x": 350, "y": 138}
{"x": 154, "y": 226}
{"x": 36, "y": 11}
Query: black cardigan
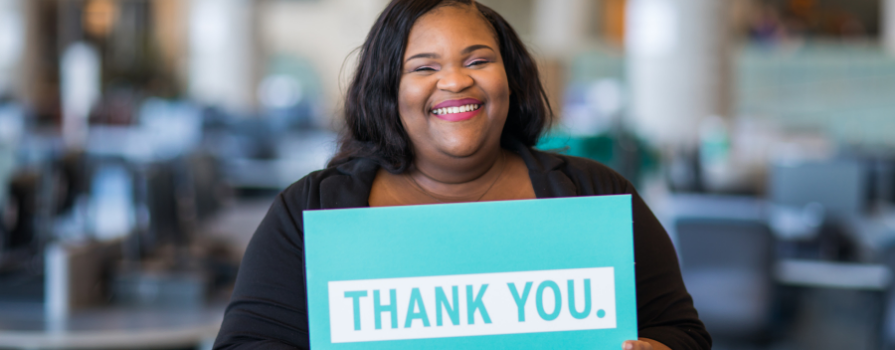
{"x": 268, "y": 309}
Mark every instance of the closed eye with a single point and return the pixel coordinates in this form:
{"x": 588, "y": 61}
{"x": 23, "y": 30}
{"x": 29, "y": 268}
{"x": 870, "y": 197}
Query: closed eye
{"x": 478, "y": 63}
{"x": 424, "y": 69}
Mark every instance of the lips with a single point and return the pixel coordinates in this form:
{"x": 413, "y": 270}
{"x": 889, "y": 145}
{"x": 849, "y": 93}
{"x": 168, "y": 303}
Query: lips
{"x": 457, "y": 110}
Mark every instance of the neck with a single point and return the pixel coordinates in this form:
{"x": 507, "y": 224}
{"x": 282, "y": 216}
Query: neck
{"x": 458, "y": 175}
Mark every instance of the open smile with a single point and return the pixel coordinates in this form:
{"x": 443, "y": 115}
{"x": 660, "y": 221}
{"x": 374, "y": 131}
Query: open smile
{"x": 457, "y": 110}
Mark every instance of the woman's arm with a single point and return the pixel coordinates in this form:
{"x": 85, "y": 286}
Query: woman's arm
{"x": 268, "y": 309}
{"x": 665, "y": 312}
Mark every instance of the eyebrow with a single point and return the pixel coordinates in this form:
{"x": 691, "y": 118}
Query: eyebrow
{"x": 465, "y": 51}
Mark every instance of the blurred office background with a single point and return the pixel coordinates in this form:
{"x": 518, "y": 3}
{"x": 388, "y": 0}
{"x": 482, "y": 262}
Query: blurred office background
{"x": 141, "y": 142}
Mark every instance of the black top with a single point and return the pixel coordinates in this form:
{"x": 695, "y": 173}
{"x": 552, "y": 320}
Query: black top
{"x": 268, "y": 309}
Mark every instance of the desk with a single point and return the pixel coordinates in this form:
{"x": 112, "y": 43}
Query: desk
{"x": 23, "y": 326}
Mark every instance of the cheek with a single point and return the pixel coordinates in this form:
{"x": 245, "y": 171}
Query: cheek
{"x": 499, "y": 90}
{"x": 505, "y": 87}
{"x": 412, "y": 96}
{"x": 407, "y": 106}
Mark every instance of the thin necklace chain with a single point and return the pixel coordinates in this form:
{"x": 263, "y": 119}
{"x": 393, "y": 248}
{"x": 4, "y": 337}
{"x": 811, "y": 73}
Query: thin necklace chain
{"x": 431, "y": 195}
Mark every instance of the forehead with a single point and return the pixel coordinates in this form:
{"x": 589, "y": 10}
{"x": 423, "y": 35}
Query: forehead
{"x": 450, "y": 28}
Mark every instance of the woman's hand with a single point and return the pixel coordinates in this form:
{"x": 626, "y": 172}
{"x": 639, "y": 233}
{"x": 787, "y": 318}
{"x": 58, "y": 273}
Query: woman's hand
{"x": 636, "y": 345}
{"x": 643, "y": 344}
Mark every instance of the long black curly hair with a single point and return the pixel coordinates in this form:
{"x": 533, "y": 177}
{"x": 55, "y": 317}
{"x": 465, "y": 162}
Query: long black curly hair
{"x": 374, "y": 128}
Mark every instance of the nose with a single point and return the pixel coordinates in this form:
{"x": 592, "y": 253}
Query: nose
{"x": 454, "y": 80}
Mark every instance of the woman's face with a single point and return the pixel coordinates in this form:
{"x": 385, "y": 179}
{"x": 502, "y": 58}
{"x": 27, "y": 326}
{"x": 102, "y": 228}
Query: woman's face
{"x": 453, "y": 97}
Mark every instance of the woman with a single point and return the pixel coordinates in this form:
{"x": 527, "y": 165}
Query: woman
{"x": 445, "y": 106}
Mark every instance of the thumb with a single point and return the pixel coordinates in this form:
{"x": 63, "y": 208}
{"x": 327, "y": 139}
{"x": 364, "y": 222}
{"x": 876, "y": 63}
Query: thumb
{"x": 636, "y": 345}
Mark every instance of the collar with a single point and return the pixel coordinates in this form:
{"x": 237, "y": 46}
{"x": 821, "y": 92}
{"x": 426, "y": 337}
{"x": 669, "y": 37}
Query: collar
{"x": 354, "y": 179}
{"x": 546, "y": 171}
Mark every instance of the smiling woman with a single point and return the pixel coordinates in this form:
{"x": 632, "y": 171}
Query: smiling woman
{"x": 453, "y": 103}
{"x": 445, "y": 106}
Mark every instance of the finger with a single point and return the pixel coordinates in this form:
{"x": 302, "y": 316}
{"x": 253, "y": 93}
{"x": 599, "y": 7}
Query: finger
{"x": 636, "y": 345}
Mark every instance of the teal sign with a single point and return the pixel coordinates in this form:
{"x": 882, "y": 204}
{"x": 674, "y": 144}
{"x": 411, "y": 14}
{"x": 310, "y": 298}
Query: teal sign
{"x": 530, "y": 274}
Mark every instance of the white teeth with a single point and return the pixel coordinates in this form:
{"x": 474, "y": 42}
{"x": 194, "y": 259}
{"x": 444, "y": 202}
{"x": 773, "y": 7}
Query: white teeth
{"x": 459, "y": 109}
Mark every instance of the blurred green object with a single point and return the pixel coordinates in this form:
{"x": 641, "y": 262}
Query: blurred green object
{"x": 598, "y": 147}
{"x": 842, "y": 89}
{"x": 620, "y": 150}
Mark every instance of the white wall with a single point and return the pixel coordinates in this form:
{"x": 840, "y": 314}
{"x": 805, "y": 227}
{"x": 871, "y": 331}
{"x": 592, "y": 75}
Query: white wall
{"x": 887, "y": 25}
{"x": 12, "y": 44}
{"x": 325, "y": 32}
{"x": 678, "y": 67}
{"x": 222, "y": 53}
{"x": 560, "y": 27}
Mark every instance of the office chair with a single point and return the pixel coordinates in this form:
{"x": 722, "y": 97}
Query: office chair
{"x": 727, "y": 265}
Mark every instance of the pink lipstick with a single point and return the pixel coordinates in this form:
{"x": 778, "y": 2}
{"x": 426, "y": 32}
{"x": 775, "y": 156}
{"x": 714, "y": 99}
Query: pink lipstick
{"x": 457, "y": 110}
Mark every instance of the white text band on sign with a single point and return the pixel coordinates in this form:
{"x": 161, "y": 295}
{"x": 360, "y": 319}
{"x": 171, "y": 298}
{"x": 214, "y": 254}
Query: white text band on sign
{"x": 473, "y": 304}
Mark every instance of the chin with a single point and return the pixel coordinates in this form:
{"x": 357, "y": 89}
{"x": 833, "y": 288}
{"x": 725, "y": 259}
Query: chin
{"x": 460, "y": 152}
{"x": 464, "y": 142}
{"x": 461, "y": 148}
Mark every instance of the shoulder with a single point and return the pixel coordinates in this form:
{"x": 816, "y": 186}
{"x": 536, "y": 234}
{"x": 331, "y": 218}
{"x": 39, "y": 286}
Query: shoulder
{"x": 342, "y": 186}
{"x": 589, "y": 176}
